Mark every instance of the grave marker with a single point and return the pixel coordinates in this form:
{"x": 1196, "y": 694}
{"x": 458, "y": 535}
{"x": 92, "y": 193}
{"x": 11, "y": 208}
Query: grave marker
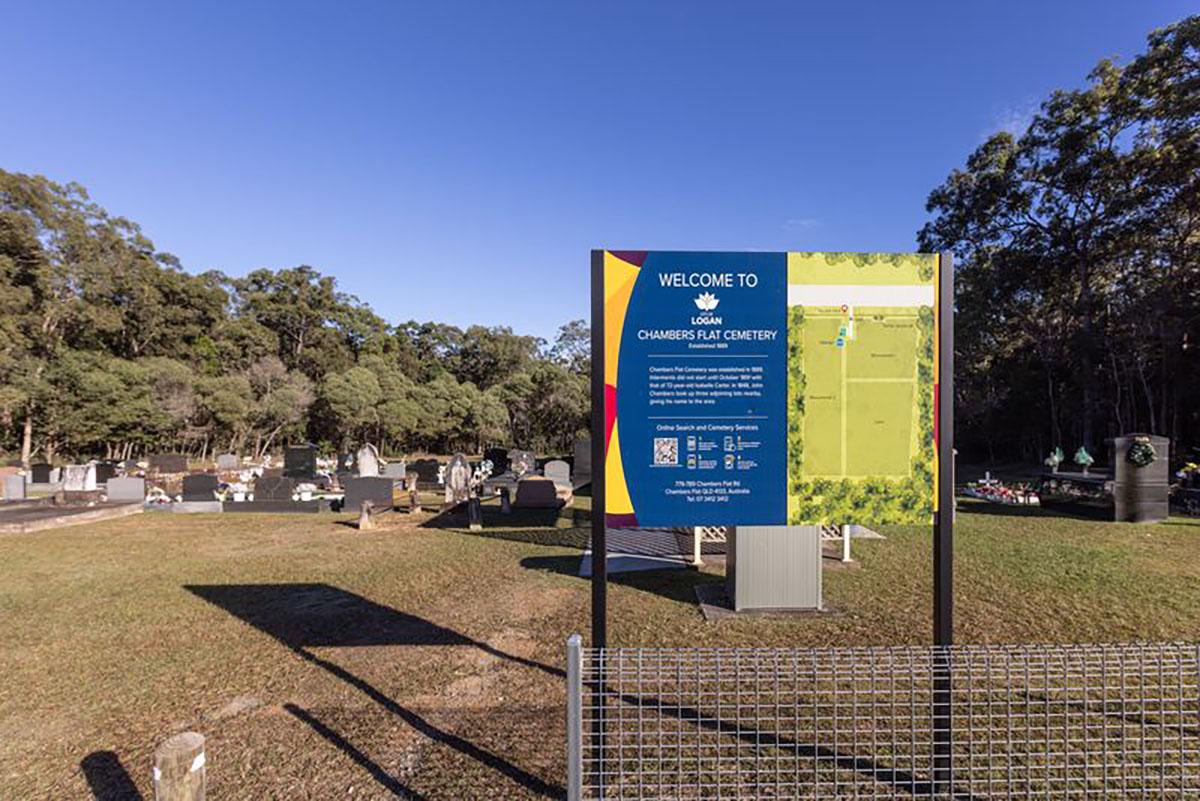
{"x": 126, "y": 489}
{"x": 200, "y": 487}
{"x": 80, "y": 478}
{"x": 300, "y": 461}
{"x": 368, "y": 461}
{"x": 458, "y": 480}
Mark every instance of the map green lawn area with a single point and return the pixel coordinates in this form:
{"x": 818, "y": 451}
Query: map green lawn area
{"x": 883, "y": 348}
{"x": 419, "y": 658}
{"x": 879, "y": 440}
{"x": 879, "y": 366}
{"x": 822, "y": 397}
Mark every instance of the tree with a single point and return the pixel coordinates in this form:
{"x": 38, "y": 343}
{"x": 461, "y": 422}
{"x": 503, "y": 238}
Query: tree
{"x": 1076, "y": 256}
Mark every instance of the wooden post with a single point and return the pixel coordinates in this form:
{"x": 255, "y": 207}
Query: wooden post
{"x": 179, "y": 768}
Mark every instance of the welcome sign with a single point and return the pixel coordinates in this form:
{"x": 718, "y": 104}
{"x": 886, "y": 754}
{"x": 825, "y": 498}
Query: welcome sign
{"x": 769, "y": 388}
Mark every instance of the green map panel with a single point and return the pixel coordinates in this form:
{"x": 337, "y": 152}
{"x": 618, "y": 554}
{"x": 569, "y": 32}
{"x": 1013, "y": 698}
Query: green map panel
{"x": 880, "y": 441}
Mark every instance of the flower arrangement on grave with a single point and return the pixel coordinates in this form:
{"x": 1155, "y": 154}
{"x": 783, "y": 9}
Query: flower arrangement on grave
{"x": 1190, "y": 473}
{"x": 1084, "y": 459}
{"x": 1141, "y": 452}
{"x": 996, "y": 492}
{"x": 1054, "y": 459}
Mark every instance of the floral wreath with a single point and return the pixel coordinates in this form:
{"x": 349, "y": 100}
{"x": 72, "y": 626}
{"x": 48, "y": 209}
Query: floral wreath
{"x": 1141, "y": 452}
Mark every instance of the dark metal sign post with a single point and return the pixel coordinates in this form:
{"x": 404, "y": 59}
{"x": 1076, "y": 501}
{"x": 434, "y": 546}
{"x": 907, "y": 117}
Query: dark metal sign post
{"x": 943, "y": 533}
{"x": 599, "y": 530}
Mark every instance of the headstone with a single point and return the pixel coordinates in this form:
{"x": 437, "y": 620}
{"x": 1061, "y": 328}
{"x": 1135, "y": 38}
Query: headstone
{"x": 583, "y": 461}
{"x": 376, "y": 489}
{"x": 559, "y": 472}
{"x": 1141, "y": 487}
{"x": 168, "y": 462}
{"x": 458, "y": 480}
{"x": 499, "y": 459}
{"x": 474, "y": 514}
{"x": 274, "y": 488}
{"x": 14, "y": 488}
{"x": 427, "y": 472}
{"x": 56, "y": 475}
{"x": 121, "y": 490}
{"x": 200, "y": 487}
{"x": 368, "y": 461}
{"x": 40, "y": 473}
{"x": 105, "y": 471}
{"x": 300, "y": 461}
{"x": 129, "y": 465}
{"x": 536, "y": 492}
{"x": 395, "y": 470}
{"x": 80, "y": 478}
{"x": 522, "y": 463}
{"x": 505, "y": 501}
{"x": 228, "y": 461}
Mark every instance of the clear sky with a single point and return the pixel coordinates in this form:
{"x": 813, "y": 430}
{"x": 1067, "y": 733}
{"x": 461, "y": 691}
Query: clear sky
{"x": 456, "y": 162}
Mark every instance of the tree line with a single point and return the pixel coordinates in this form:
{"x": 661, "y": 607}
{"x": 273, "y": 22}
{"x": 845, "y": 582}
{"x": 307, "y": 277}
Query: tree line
{"x": 1077, "y": 248}
{"x": 109, "y": 348}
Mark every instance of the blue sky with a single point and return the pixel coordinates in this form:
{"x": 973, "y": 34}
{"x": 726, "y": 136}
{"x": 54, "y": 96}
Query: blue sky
{"x": 456, "y": 162}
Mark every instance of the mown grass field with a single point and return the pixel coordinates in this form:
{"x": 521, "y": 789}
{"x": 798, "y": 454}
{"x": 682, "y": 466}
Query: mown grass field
{"x": 421, "y": 659}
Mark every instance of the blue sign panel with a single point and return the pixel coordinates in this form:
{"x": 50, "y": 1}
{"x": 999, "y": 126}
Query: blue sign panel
{"x": 701, "y": 390}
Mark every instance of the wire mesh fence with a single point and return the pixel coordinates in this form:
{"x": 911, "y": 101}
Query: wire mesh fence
{"x": 1034, "y": 721}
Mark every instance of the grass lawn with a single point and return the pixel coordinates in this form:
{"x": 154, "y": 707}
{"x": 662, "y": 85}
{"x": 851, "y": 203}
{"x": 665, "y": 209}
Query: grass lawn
{"x": 321, "y": 662}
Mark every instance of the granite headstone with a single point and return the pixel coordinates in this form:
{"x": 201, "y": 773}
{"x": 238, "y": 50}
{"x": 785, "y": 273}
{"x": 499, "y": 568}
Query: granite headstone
{"x": 14, "y": 488}
{"x": 126, "y": 489}
{"x": 376, "y": 489}
{"x": 200, "y": 487}
{"x": 300, "y": 462}
{"x": 559, "y": 472}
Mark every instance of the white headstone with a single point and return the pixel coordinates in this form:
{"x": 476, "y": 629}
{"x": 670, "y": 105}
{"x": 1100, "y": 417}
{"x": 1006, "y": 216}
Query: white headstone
{"x": 56, "y": 475}
{"x": 228, "y": 461}
{"x": 458, "y": 479}
{"x": 14, "y": 488}
{"x": 395, "y": 469}
{"x": 80, "y": 478}
{"x": 126, "y": 489}
{"x": 558, "y": 471}
{"x": 368, "y": 461}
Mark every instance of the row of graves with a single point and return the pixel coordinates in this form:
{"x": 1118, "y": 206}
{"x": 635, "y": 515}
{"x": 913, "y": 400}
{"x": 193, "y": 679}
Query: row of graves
{"x": 1136, "y": 488}
{"x": 356, "y": 482}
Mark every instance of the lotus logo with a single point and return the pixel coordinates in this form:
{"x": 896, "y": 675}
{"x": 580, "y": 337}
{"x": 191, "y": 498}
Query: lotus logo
{"x": 706, "y": 301}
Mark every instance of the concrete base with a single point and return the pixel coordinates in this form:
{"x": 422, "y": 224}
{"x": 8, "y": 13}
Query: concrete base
{"x": 629, "y": 563}
{"x": 196, "y": 507}
{"x": 276, "y": 507}
{"x": 715, "y": 605}
{"x": 29, "y": 517}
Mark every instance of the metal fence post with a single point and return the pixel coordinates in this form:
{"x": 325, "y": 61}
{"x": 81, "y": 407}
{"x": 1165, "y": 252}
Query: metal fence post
{"x": 574, "y": 718}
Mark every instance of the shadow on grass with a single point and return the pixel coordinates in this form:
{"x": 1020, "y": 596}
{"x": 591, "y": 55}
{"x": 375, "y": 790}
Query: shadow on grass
{"x": 385, "y": 779}
{"x": 107, "y": 778}
{"x": 304, "y": 616}
{"x": 567, "y": 527}
{"x": 1056, "y": 510}
{"x": 677, "y": 584}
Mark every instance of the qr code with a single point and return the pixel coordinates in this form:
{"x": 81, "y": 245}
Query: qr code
{"x": 666, "y": 450}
